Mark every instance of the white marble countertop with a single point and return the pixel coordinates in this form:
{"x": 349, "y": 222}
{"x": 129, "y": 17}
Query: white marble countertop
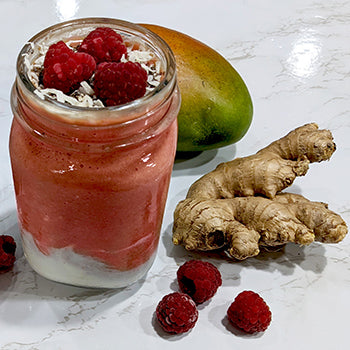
{"x": 295, "y": 59}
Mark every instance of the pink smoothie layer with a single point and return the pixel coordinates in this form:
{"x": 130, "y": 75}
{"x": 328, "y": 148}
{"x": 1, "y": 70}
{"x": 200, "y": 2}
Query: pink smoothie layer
{"x": 107, "y": 206}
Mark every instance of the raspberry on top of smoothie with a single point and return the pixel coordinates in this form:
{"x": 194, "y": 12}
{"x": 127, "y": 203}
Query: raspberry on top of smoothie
{"x": 102, "y": 69}
{"x": 65, "y": 69}
{"x": 104, "y": 44}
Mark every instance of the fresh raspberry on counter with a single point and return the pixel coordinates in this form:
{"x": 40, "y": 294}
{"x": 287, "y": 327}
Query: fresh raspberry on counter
{"x": 249, "y": 312}
{"x": 177, "y": 313}
{"x": 7, "y": 253}
{"x": 65, "y": 69}
{"x": 199, "y": 279}
{"x": 118, "y": 83}
{"x": 104, "y": 44}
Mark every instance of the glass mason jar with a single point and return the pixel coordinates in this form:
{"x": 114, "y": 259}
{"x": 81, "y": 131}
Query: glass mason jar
{"x": 91, "y": 183}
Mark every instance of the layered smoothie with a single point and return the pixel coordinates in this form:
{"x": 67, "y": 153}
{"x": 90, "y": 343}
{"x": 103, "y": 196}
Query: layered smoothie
{"x": 91, "y": 183}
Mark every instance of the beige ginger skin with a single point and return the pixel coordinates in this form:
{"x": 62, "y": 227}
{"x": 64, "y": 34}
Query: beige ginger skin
{"x": 239, "y": 206}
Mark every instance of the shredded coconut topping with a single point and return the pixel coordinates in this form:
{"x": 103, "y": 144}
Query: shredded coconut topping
{"x": 84, "y": 96}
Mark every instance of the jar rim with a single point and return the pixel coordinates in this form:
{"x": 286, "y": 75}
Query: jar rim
{"x": 166, "y": 85}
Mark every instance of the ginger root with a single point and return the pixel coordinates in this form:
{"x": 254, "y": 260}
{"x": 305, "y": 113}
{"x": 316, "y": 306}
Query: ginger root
{"x": 239, "y": 206}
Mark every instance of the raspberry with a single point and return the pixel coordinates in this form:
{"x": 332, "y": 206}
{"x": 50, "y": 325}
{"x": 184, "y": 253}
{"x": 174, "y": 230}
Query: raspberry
{"x": 104, "y": 44}
{"x": 249, "y": 312}
{"x": 55, "y": 51}
{"x": 199, "y": 279}
{"x": 118, "y": 83}
{"x": 7, "y": 253}
{"x": 64, "y": 69}
{"x": 177, "y": 313}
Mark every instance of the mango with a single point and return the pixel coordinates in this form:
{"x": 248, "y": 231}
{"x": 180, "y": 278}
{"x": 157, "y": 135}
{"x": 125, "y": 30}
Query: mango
{"x": 216, "y": 108}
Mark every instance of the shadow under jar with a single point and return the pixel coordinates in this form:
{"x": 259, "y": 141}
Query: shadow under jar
{"x": 91, "y": 183}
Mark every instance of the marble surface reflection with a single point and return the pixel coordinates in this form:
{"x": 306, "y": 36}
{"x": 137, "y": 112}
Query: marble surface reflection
{"x": 66, "y": 9}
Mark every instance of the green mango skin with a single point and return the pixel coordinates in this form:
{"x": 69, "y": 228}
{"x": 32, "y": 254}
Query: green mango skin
{"x": 216, "y": 107}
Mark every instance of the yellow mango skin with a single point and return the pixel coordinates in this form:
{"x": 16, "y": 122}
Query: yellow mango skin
{"x": 216, "y": 108}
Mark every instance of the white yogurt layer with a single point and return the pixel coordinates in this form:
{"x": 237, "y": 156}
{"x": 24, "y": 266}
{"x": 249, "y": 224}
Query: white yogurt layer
{"x": 65, "y": 266}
